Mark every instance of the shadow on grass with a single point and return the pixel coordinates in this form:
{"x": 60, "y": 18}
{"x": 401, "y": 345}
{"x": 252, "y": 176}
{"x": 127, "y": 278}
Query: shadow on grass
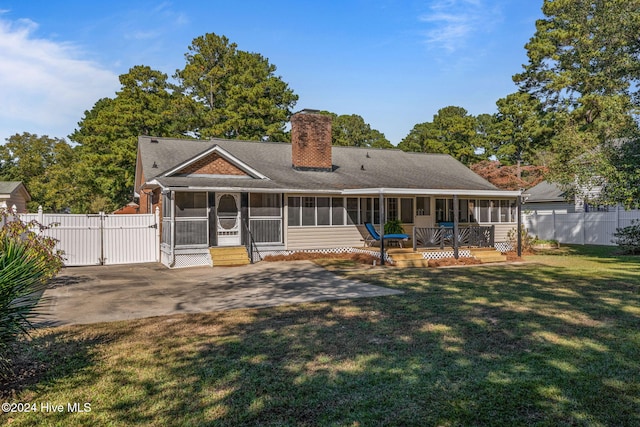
{"x": 509, "y": 345}
{"x": 46, "y": 357}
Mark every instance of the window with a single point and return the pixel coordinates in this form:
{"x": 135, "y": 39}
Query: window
{"x": 406, "y": 210}
{"x": 484, "y": 211}
{"x": 423, "y": 206}
{"x": 463, "y": 211}
{"x": 352, "y": 211}
{"x": 337, "y": 211}
{"x": 324, "y": 211}
{"x": 261, "y": 204}
{"x": 472, "y": 209}
{"x": 312, "y": 211}
{"x": 495, "y": 210}
{"x": 308, "y": 211}
{"x": 293, "y": 211}
{"x": 504, "y": 211}
{"x": 366, "y": 211}
{"x": 444, "y": 210}
{"x": 191, "y": 205}
{"x": 392, "y": 209}
{"x": 376, "y": 210}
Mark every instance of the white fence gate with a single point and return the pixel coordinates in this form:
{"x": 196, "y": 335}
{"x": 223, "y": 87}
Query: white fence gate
{"x": 102, "y": 239}
{"x": 583, "y": 228}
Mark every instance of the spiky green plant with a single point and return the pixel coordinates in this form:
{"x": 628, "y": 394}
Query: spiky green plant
{"x": 27, "y": 261}
{"x": 22, "y": 280}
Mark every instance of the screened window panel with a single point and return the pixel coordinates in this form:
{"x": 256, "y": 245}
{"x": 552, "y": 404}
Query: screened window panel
{"x": 191, "y": 205}
{"x": 504, "y": 211}
{"x": 365, "y": 210}
{"x": 406, "y": 210}
{"x": 191, "y": 233}
{"x": 261, "y": 204}
{"x": 337, "y": 211}
{"x": 308, "y": 211}
{"x": 423, "y": 206}
{"x": 495, "y": 210}
{"x": 376, "y": 211}
{"x": 463, "y": 212}
{"x": 352, "y": 210}
{"x": 484, "y": 210}
{"x": 324, "y": 211}
{"x": 392, "y": 208}
{"x": 293, "y": 211}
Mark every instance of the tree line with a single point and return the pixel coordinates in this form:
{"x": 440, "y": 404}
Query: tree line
{"x": 572, "y": 119}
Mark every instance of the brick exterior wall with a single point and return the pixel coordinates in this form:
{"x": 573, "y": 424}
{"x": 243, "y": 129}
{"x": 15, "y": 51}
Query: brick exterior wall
{"x": 213, "y": 164}
{"x": 151, "y": 199}
{"x": 311, "y": 141}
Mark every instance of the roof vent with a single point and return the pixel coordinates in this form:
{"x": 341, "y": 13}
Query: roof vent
{"x": 368, "y": 156}
{"x": 155, "y": 165}
{"x": 154, "y": 141}
{"x": 361, "y": 167}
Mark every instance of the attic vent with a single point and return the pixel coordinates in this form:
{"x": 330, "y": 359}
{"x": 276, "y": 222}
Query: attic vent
{"x": 154, "y": 141}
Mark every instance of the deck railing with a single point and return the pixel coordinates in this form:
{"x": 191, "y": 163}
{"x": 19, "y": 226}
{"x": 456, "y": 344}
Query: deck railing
{"x": 441, "y": 237}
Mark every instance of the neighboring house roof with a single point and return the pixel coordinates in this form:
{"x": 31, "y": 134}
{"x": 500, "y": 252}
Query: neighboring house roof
{"x": 14, "y": 187}
{"x": 268, "y": 166}
{"x": 129, "y": 208}
{"x": 545, "y": 192}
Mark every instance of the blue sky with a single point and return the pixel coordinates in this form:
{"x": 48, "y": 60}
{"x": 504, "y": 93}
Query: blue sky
{"x": 395, "y": 63}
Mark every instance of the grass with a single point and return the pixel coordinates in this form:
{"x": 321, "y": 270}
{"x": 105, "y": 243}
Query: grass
{"x": 555, "y": 341}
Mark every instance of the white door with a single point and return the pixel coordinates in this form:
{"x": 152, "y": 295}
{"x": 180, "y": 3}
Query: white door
{"x": 228, "y": 219}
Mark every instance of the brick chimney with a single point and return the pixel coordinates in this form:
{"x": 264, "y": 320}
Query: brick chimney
{"x": 311, "y": 141}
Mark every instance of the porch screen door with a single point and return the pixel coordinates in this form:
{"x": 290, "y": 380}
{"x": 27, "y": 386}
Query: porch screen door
{"x": 228, "y": 223}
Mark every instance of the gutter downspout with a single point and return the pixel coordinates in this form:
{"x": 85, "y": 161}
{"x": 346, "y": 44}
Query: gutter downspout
{"x": 519, "y": 232}
{"x": 456, "y": 226}
{"x": 382, "y": 214}
{"x": 172, "y": 262}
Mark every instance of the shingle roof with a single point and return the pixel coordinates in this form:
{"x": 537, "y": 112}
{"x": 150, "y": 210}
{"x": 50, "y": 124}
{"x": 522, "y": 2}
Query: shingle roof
{"x": 8, "y": 187}
{"x": 545, "y": 192}
{"x": 354, "y": 167}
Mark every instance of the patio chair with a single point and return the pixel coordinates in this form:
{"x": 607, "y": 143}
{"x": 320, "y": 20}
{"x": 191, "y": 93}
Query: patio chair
{"x": 375, "y": 237}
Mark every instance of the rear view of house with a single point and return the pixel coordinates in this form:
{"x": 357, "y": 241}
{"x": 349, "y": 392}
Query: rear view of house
{"x": 306, "y": 195}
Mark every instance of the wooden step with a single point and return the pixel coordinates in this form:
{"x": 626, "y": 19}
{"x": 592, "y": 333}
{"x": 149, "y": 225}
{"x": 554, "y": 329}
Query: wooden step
{"x": 409, "y": 263}
{"x": 407, "y": 256}
{"x": 488, "y": 255}
{"x": 229, "y": 256}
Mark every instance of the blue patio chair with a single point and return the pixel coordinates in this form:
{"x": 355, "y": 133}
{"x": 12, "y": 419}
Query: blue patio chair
{"x": 375, "y": 237}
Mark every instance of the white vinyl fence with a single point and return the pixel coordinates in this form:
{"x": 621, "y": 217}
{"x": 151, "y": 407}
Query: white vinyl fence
{"x": 583, "y": 228}
{"x": 102, "y": 239}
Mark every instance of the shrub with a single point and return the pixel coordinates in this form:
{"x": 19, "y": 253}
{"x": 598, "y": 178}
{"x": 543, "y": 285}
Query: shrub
{"x": 27, "y": 261}
{"x": 628, "y": 238}
{"x": 393, "y": 226}
{"x": 526, "y": 239}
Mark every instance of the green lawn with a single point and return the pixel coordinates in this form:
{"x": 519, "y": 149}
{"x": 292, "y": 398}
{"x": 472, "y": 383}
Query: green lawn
{"x": 552, "y": 342}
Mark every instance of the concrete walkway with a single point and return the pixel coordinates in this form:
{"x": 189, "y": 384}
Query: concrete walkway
{"x": 108, "y": 293}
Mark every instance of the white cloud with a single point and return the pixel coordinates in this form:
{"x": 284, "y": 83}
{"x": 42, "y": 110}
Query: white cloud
{"x": 451, "y": 23}
{"x": 46, "y": 85}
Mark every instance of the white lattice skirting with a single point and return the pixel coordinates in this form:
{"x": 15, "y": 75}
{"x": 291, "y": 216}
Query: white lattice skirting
{"x": 503, "y": 246}
{"x": 462, "y": 253}
{"x": 187, "y": 260}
